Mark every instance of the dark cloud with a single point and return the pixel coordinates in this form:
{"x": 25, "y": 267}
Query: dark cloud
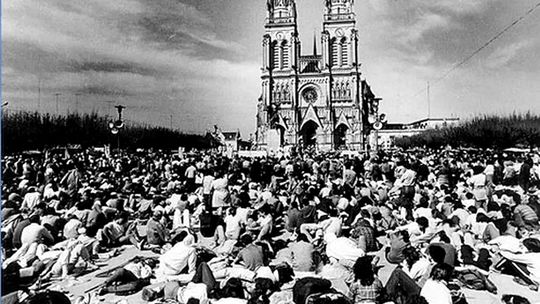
{"x": 104, "y": 91}
{"x": 199, "y": 59}
{"x": 110, "y": 67}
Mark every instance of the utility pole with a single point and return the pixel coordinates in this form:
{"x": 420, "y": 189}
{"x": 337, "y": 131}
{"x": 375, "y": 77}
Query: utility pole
{"x": 77, "y": 102}
{"x": 56, "y": 95}
{"x": 428, "y": 102}
{"x": 170, "y": 116}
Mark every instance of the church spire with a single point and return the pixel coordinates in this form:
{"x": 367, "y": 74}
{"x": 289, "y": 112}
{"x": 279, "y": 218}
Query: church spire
{"x": 338, "y": 10}
{"x": 314, "y": 43}
{"x": 281, "y": 11}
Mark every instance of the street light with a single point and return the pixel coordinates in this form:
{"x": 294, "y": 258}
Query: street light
{"x": 117, "y": 125}
{"x": 376, "y": 120}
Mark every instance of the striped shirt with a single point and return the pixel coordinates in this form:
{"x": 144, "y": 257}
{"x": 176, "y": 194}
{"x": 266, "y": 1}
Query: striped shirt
{"x": 526, "y": 212}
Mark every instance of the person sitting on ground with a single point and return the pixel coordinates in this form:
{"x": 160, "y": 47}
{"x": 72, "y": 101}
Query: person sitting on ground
{"x": 524, "y": 266}
{"x": 36, "y": 233}
{"x": 178, "y": 263}
{"x": 302, "y": 254}
{"x": 120, "y": 232}
{"x": 435, "y": 290}
{"x": 251, "y": 255}
{"x": 156, "y": 233}
{"x": 367, "y": 287}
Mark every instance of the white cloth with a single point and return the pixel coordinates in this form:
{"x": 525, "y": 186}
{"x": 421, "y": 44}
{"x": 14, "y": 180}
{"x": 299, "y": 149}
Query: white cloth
{"x": 436, "y": 292}
{"x": 193, "y": 290}
{"x": 176, "y": 259}
{"x": 531, "y": 259}
{"x": 418, "y": 269}
{"x": 342, "y": 248}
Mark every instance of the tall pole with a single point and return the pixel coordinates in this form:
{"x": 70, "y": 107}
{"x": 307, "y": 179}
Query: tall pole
{"x": 39, "y": 93}
{"x": 77, "y": 102}
{"x": 428, "y": 102}
{"x": 56, "y": 95}
{"x": 170, "y": 116}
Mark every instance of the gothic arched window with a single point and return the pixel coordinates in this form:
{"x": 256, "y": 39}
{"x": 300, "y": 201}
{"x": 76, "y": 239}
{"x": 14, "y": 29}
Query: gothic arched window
{"x": 285, "y": 57}
{"x": 275, "y": 55}
{"x": 344, "y": 51}
{"x": 334, "y": 52}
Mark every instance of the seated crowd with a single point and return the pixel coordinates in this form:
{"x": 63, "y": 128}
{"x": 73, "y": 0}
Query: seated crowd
{"x": 297, "y": 228}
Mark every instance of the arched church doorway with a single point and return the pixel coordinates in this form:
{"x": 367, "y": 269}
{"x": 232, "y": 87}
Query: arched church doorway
{"x": 309, "y": 134}
{"x": 340, "y": 137}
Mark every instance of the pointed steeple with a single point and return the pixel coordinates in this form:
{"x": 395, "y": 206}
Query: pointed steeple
{"x": 311, "y": 114}
{"x": 314, "y": 43}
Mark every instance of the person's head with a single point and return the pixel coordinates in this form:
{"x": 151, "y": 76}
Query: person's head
{"x": 34, "y": 219}
{"x": 265, "y": 210}
{"x": 493, "y": 206}
{"x": 157, "y": 215}
{"x": 404, "y": 235}
{"x": 363, "y": 271}
{"x": 441, "y": 272}
{"x": 437, "y": 254}
{"x": 424, "y": 202}
{"x": 514, "y": 299}
{"x": 48, "y": 297}
{"x": 422, "y": 222}
{"x": 193, "y": 301}
{"x": 179, "y": 237}
{"x": 302, "y": 238}
{"x": 40, "y": 208}
{"x": 246, "y": 239}
{"x": 412, "y": 255}
{"x": 122, "y": 218}
{"x": 501, "y": 224}
{"x": 469, "y": 195}
{"x": 532, "y": 244}
{"x": 416, "y": 299}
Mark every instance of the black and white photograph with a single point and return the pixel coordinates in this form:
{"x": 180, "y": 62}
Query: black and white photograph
{"x": 270, "y": 151}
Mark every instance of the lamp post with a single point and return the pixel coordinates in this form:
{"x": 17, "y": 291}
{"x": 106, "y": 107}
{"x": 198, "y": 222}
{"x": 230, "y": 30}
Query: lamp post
{"x": 117, "y": 125}
{"x": 376, "y": 120}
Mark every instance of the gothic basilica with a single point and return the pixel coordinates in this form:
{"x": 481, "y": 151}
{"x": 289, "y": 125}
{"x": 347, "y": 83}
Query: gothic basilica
{"x": 316, "y": 100}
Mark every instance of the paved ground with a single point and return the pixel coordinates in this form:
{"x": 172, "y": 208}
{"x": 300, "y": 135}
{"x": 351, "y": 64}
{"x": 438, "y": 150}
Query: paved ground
{"x": 77, "y": 288}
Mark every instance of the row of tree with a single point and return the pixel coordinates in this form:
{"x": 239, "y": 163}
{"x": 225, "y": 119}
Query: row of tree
{"x": 24, "y": 131}
{"x": 497, "y": 132}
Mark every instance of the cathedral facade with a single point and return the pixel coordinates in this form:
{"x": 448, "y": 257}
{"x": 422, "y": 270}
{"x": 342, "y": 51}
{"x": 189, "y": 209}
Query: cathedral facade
{"x": 314, "y": 100}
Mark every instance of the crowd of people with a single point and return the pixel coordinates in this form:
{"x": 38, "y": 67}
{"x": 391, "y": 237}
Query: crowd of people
{"x": 287, "y": 228}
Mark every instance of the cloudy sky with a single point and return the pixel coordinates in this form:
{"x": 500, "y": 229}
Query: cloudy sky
{"x": 198, "y": 61}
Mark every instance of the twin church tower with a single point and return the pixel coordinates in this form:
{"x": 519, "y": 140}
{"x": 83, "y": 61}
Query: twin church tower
{"x": 316, "y": 100}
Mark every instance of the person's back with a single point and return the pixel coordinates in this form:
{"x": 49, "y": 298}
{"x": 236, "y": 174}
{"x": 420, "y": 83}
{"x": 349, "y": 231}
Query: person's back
{"x": 155, "y": 234}
{"x": 174, "y": 261}
{"x": 302, "y": 254}
{"x": 252, "y": 256}
{"x": 436, "y": 292}
{"x": 308, "y": 214}
{"x": 17, "y": 232}
{"x": 293, "y": 219}
{"x": 35, "y": 233}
